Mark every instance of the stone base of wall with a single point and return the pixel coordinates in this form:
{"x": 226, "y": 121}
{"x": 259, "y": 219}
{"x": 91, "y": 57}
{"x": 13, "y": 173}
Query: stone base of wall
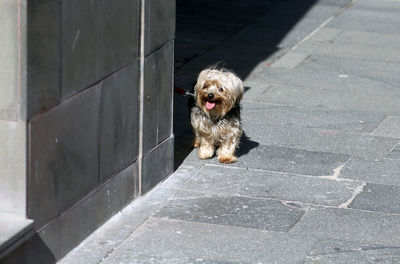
{"x": 65, "y": 232}
{"x": 62, "y": 234}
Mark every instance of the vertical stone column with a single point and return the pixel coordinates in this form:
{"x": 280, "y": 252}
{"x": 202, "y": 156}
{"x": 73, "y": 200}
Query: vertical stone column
{"x": 158, "y": 140}
{"x": 13, "y": 141}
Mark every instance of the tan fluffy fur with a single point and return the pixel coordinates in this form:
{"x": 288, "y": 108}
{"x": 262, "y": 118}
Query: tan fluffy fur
{"x": 220, "y": 126}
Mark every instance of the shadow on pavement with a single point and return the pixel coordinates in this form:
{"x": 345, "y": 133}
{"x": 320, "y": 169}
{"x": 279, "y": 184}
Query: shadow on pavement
{"x": 238, "y": 34}
{"x": 245, "y": 145}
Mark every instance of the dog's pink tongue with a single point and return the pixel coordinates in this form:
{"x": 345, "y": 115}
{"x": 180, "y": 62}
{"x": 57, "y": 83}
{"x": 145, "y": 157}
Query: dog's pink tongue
{"x": 210, "y": 105}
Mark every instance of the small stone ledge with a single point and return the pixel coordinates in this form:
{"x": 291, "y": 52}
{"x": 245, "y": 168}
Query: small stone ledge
{"x": 14, "y": 230}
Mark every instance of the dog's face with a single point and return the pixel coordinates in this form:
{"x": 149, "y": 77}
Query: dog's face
{"x": 216, "y": 92}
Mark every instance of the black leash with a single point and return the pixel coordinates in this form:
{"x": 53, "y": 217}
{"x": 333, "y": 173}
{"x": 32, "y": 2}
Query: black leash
{"x": 182, "y": 92}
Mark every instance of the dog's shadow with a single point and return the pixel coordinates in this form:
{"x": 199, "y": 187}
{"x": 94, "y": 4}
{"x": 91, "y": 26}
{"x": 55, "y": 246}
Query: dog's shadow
{"x": 183, "y": 148}
{"x": 245, "y": 145}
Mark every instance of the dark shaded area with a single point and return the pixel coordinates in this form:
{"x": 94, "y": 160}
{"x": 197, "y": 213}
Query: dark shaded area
{"x": 245, "y": 145}
{"x": 238, "y": 35}
{"x": 33, "y": 251}
{"x": 206, "y": 26}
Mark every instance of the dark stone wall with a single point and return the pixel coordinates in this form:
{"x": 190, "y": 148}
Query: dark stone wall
{"x": 83, "y": 113}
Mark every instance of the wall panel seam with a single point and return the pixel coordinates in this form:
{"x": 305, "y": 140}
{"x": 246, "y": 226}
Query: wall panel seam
{"x": 141, "y": 96}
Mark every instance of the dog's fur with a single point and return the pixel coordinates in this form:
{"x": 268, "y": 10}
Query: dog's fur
{"x": 215, "y": 117}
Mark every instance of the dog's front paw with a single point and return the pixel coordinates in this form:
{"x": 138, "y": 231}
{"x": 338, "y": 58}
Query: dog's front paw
{"x": 227, "y": 159}
{"x": 206, "y": 152}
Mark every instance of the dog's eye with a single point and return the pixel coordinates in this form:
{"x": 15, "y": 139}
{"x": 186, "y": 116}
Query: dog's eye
{"x": 221, "y": 88}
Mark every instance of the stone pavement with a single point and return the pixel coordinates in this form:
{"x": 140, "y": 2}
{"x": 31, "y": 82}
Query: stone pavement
{"x": 318, "y": 175}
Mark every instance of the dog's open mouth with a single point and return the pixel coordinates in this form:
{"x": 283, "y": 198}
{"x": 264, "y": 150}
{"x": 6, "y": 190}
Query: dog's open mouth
{"x": 210, "y": 105}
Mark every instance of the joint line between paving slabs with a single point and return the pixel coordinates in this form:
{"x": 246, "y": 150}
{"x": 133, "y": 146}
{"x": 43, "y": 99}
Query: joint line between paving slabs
{"x": 395, "y": 145}
{"x": 298, "y": 220}
{"x": 324, "y": 24}
{"x": 356, "y": 192}
{"x": 379, "y": 125}
{"x": 333, "y": 177}
{"x": 186, "y": 180}
{"x": 336, "y": 173}
{"x": 120, "y": 244}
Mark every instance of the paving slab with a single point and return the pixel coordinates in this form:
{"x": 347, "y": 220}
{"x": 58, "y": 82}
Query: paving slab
{"x": 391, "y": 5}
{"x": 395, "y": 153}
{"x": 350, "y": 225}
{"x": 350, "y": 50}
{"x": 340, "y": 251}
{"x": 293, "y": 87}
{"x": 253, "y": 90}
{"x": 212, "y": 180}
{"x": 290, "y": 60}
{"x": 233, "y": 211}
{"x": 380, "y": 171}
{"x": 378, "y": 197}
{"x": 385, "y": 11}
{"x": 310, "y": 117}
{"x": 390, "y": 127}
{"x": 367, "y": 25}
{"x": 180, "y": 240}
{"x": 184, "y": 173}
{"x": 348, "y": 97}
{"x": 382, "y": 71}
{"x": 370, "y": 39}
{"x": 320, "y": 140}
{"x": 281, "y": 159}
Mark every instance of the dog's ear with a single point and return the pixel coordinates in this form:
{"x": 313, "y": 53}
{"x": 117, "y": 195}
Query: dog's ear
{"x": 239, "y": 88}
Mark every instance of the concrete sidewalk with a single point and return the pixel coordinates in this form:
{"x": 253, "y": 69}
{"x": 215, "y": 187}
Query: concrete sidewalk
{"x": 318, "y": 175}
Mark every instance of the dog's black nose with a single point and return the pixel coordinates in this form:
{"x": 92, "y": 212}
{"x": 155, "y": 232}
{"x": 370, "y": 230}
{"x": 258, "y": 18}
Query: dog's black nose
{"x": 210, "y": 96}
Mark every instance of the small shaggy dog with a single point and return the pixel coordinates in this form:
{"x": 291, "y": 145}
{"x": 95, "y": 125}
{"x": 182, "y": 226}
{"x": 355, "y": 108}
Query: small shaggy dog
{"x": 215, "y": 117}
